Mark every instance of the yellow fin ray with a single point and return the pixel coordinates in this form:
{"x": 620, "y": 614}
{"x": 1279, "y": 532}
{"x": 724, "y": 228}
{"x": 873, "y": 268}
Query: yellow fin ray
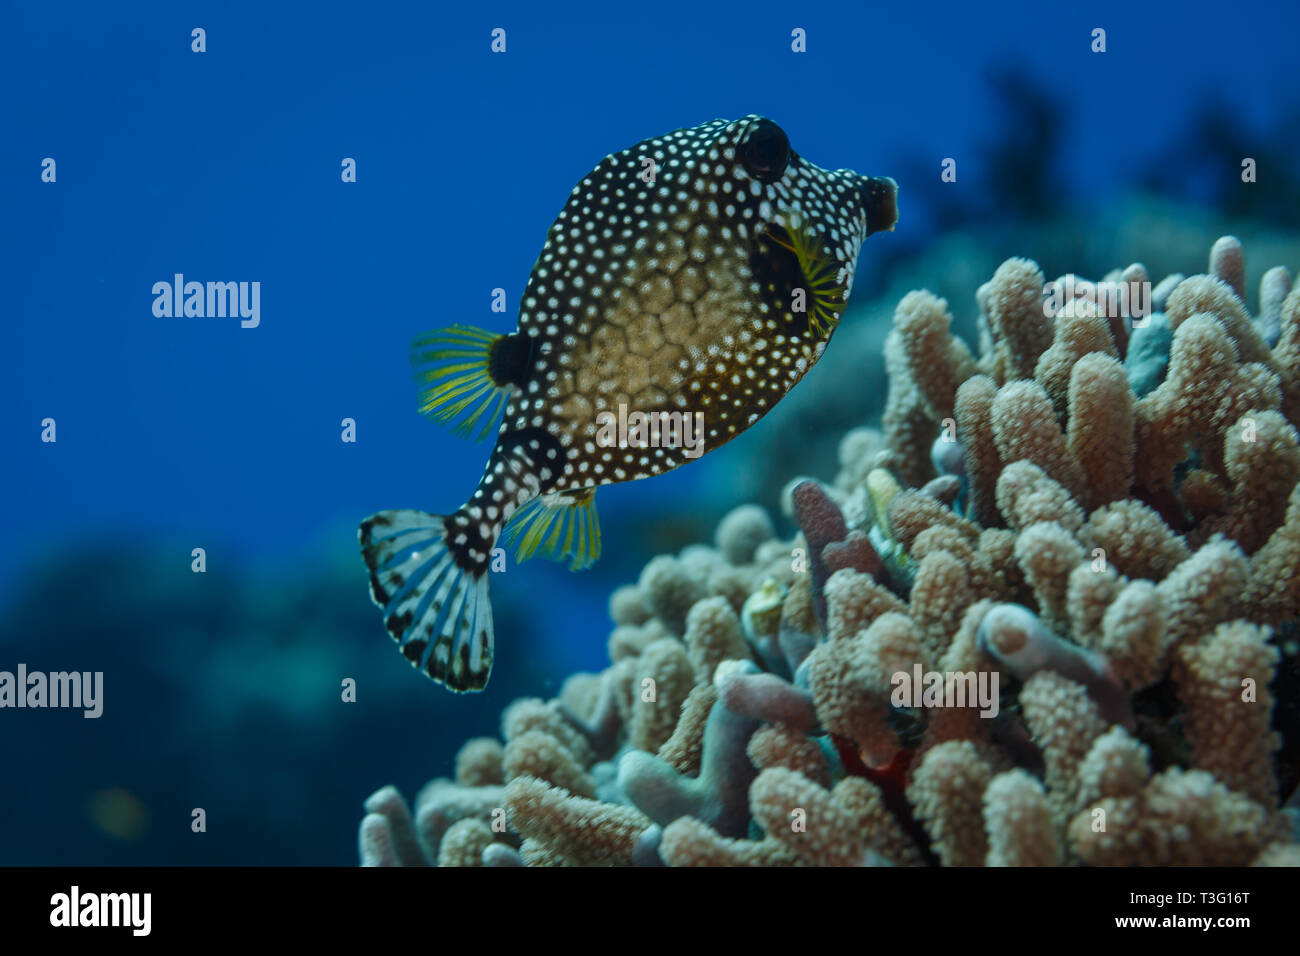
{"x": 454, "y": 366}
{"x": 558, "y": 526}
{"x": 824, "y": 288}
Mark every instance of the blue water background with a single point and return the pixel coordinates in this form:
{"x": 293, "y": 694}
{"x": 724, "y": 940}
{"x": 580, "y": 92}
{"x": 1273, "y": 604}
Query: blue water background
{"x": 175, "y": 433}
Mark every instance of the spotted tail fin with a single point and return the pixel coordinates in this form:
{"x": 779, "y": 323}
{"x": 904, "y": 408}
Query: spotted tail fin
{"x": 437, "y": 611}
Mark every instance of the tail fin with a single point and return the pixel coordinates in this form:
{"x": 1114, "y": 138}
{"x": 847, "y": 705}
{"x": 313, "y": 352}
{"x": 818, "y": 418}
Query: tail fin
{"x": 438, "y": 612}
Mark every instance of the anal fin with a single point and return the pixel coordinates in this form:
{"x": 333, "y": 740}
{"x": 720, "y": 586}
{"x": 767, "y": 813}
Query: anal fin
{"x": 558, "y": 526}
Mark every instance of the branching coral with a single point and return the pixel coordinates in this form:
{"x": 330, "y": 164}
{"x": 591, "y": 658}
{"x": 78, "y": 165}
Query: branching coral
{"x": 947, "y": 790}
{"x": 1042, "y": 617}
{"x": 716, "y": 795}
{"x": 582, "y": 832}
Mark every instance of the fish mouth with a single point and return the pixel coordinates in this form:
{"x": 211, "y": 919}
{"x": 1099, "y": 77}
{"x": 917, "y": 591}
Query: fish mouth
{"x": 880, "y": 201}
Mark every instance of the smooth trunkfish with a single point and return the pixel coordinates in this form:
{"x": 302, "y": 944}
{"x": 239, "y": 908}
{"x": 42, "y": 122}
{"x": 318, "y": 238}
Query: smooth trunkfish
{"x": 692, "y": 279}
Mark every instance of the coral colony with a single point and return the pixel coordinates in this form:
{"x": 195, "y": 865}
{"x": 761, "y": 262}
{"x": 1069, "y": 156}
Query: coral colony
{"x": 1090, "y": 531}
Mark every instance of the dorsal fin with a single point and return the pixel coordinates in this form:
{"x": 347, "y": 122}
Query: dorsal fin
{"x": 467, "y": 374}
{"x": 511, "y": 360}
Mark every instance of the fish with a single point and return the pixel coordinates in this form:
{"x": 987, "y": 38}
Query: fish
{"x": 687, "y": 284}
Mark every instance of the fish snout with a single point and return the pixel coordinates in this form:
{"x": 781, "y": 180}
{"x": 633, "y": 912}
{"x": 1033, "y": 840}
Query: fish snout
{"x": 879, "y": 196}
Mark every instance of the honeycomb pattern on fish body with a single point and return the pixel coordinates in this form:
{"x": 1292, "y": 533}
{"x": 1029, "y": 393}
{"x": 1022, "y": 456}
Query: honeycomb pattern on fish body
{"x": 674, "y": 295}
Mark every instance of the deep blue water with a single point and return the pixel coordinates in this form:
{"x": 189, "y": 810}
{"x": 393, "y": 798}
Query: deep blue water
{"x": 175, "y": 433}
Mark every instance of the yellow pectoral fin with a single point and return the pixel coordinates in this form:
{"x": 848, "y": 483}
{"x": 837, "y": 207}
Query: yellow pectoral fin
{"x": 820, "y": 273}
{"x": 454, "y": 367}
{"x": 558, "y": 526}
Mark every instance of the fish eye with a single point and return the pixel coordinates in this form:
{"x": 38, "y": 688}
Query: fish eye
{"x": 767, "y": 152}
